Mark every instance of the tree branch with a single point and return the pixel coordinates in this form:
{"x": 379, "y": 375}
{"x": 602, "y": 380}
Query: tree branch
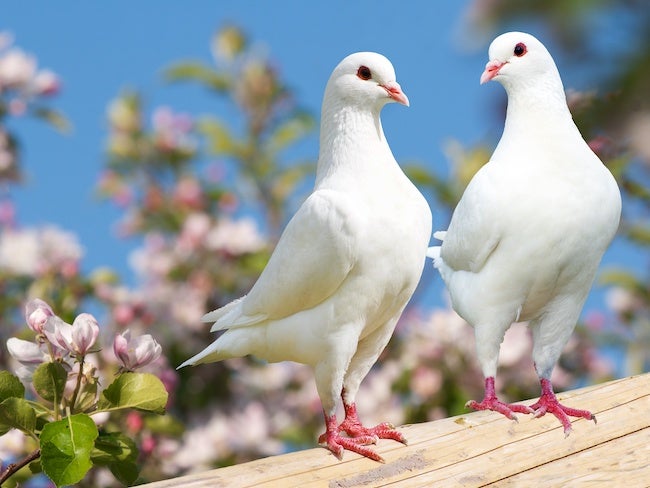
{"x": 14, "y": 467}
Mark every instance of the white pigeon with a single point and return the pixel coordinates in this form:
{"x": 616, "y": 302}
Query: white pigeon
{"x": 346, "y": 264}
{"x": 531, "y": 228}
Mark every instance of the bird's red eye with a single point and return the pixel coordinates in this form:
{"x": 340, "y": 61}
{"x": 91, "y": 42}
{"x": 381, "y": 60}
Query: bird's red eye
{"x": 520, "y": 49}
{"x": 364, "y": 73}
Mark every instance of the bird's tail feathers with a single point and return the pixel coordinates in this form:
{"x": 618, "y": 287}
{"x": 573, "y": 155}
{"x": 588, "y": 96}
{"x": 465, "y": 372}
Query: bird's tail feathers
{"x": 220, "y": 312}
{"x": 210, "y": 354}
{"x": 434, "y": 251}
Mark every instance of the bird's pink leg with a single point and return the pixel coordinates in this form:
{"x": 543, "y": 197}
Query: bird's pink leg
{"x": 353, "y": 427}
{"x": 337, "y": 443}
{"x": 548, "y": 402}
{"x": 490, "y": 402}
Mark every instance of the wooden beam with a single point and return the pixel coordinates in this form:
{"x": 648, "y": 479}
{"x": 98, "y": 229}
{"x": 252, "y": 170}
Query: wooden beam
{"x": 478, "y": 449}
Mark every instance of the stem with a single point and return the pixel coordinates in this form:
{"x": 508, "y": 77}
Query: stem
{"x": 57, "y": 401}
{"x": 14, "y": 467}
{"x": 78, "y": 385}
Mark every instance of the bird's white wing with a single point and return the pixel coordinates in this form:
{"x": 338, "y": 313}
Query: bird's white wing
{"x": 474, "y": 231}
{"x": 314, "y": 255}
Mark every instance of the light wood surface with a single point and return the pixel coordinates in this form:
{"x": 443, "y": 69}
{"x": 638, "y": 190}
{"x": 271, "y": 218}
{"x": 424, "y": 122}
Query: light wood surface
{"x": 479, "y": 449}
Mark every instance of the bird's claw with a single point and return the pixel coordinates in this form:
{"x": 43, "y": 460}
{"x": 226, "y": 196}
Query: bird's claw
{"x": 382, "y": 431}
{"x": 506, "y": 409}
{"x": 550, "y": 404}
{"x": 337, "y": 444}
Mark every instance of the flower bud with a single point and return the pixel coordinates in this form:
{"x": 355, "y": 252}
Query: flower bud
{"x": 36, "y": 314}
{"x": 135, "y": 352}
{"x": 85, "y": 330}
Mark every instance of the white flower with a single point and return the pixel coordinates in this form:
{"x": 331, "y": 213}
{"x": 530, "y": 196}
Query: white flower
{"x": 17, "y": 69}
{"x": 19, "y": 251}
{"x": 25, "y": 352}
{"x": 195, "y": 229}
{"x": 235, "y": 237}
{"x": 621, "y": 300}
{"x": 46, "y": 82}
{"x": 12, "y": 445}
{"x": 36, "y": 250}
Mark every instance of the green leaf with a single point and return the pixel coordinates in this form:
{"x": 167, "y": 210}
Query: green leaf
{"x": 164, "y": 424}
{"x": 10, "y": 386}
{"x": 220, "y": 140}
{"x": 49, "y": 381}
{"x": 113, "y": 447}
{"x": 125, "y": 472}
{"x": 291, "y": 131}
{"x": 639, "y": 233}
{"x": 622, "y": 278}
{"x": 197, "y": 71}
{"x": 54, "y": 118}
{"x": 119, "y": 453}
{"x": 143, "y": 391}
{"x": 19, "y": 414}
{"x": 65, "y": 448}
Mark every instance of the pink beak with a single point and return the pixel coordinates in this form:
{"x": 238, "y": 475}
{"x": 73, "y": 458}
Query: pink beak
{"x": 491, "y": 70}
{"x": 395, "y": 92}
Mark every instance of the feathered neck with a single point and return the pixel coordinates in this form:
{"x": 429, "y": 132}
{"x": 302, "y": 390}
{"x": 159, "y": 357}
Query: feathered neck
{"x": 537, "y": 110}
{"x": 349, "y": 136}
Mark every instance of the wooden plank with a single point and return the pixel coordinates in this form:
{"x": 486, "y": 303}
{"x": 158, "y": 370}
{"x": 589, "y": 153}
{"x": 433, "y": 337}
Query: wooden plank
{"x": 620, "y": 462}
{"x": 476, "y": 449}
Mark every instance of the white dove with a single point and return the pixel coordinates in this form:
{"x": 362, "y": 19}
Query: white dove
{"x": 531, "y": 228}
{"x": 346, "y": 264}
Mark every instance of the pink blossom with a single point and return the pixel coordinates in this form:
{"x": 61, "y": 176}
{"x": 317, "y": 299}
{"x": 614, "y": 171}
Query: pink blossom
{"x": 7, "y": 210}
{"x": 36, "y": 314}
{"x": 17, "y": 107}
{"x": 58, "y": 333}
{"x": 46, "y": 82}
{"x": 188, "y": 192}
{"x": 7, "y": 159}
{"x": 123, "y": 313}
{"x": 77, "y": 338}
{"x": 195, "y": 229}
{"x": 135, "y": 352}
{"x": 134, "y": 422}
{"x": 85, "y": 330}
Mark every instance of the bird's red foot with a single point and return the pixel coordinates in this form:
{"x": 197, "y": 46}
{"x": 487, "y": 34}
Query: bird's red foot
{"x": 337, "y": 443}
{"x": 491, "y": 402}
{"x": 353, "y": 427}
{"x": 548, "y": 403}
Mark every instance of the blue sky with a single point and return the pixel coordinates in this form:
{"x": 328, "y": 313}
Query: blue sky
{"x": 100, "y": 48}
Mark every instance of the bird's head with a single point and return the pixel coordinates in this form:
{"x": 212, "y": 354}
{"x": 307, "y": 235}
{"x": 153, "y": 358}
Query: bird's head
{"x": 517, "y": 58}
{"x": 365, "y": 79}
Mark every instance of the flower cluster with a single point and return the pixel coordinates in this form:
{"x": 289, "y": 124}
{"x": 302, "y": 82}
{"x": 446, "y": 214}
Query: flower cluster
{"x": 63, "y": 372}
{"x": 22, "y": 86}
{"x": 20, "y": 76}
{"x": 66, "y": 343}
{"x": 37, "y": 251}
